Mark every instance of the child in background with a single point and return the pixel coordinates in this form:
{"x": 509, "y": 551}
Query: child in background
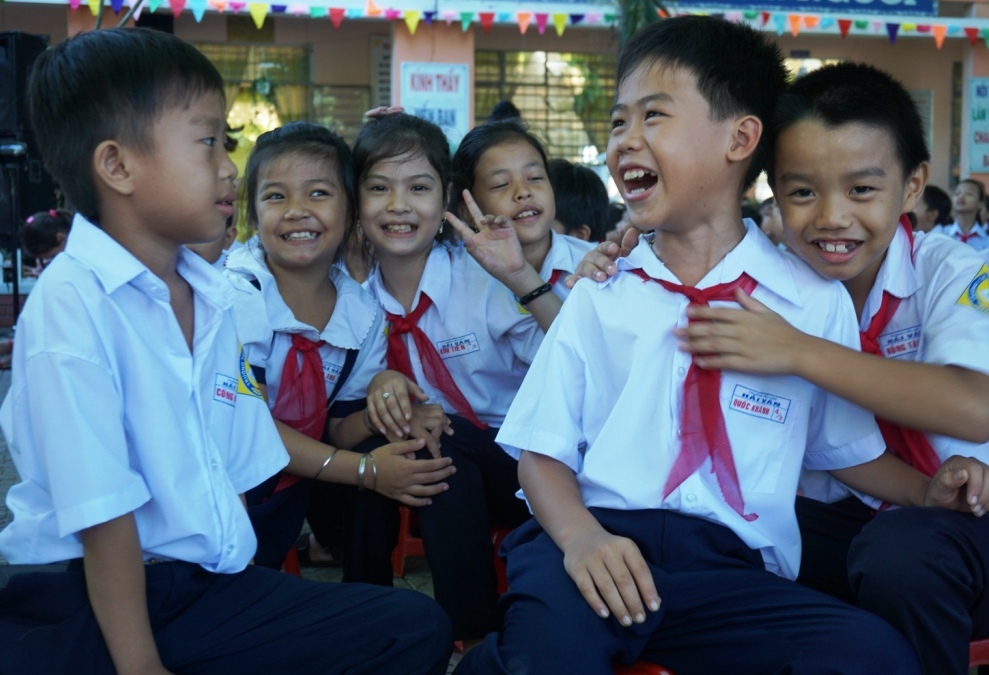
{"x": 967, "y": 203}
{"x": 316, "y": 338}
{"x": 933, "y": 209}
{"x": 43, "y": 236}
{"x": 504, "y": 168}
{"x": 581, "y": 201}
{"x": 134, "y": 419}
{"x": 216, "y": 252}
{"x": 461, "y": 334}
{"x": 662, "y": 494}
{"x": 850, "y": 158}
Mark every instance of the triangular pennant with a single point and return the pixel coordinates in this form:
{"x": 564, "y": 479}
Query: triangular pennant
{"x": 487, "y": 20}
{"x": 592, "y": 19}
{"x": 448, "y": 16}
{"x": 336, "y": 16}
{"x": 876, "y": 26}
{"x": 412, "y": 20}
{"x": 372, "y": 9}
{"x": 560, "y": 21}
{"x": 575, "y": 19}
{"x": 355, "y": 13}
{"x": 298, "y": 9}
{"x": 939, "y": 33}
{"x": 610, "y": 18}
{"x": 278, "y": 9}
{"x": 428, "y": 16}
{"x": 116, "y": 5}
{"x": 94, "y": 6}
{"x": 198, "y": 8}
{"x": 826, "y": 24}
{"x": 954, "y": 30}
{"x": 318, "y": 12}
{"x": 465, "y": 20}
{"x": 541, "y": 22}
{"x": 503, "y": 17}
{"x": 218, "y": 5}
{"x": 780, "y": 21}
{"x": 153, "y": 5}
{"x": 861, "y": 25}
{"x": 972, "y": 34}
{"x": 892, "y": 29}
{"x": 74, "y": 4}
{"x": 794, "y": 20}
{"x": 392, "y": 14}
{"x": 177, "y": 6}
{"x": 524, "y": 18}
{"x": 750, "y": 16}
{"x": 765, "y": 17}
{"x": 258, "y": 10}
{"x": 844, "y": 25}
{"x": 812, "y": 21}
{"x": 985, "y": 36}
{"x": 923, "y": 28}
{"x": 237, "y": 6}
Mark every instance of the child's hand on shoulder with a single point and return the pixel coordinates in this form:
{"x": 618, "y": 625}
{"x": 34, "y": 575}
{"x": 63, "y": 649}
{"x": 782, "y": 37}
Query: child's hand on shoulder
{"x": 960, "y": 484}
{"x": 612, "y": 575}
{"x": 753, "y": 339}
{"x": 493, "y": 242}
{"x": 599, "y": 263}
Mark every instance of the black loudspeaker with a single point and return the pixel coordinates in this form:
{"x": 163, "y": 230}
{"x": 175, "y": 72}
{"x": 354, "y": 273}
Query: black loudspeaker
{"x": 25, "y": 186}
{"x": 18, "y": 52}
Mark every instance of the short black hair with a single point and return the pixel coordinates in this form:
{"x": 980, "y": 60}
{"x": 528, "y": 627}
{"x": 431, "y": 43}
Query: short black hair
{"x": 504, "y": 110}
{"x": 307, "y": 140}
{"x": 737, "y": 69}
{"x": 109, "y": 85}
{"x": 581, "y": 197}
{"x": 478, "y": 141}
{"x": 39, "y": 233}
{"x": 938, "y": 200}
{"x": 855, "y": 93}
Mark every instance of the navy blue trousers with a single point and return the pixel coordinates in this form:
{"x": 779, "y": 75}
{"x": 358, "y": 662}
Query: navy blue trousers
{"x": 721, "y": 612}
{"x": 456, "y": 527}
{"x": 257, "y": 621}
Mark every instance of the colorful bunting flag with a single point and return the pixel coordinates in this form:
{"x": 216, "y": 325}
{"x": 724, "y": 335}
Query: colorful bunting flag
{"x": 826, "y": 23}
{"x": 560, "y": 22}
{"x": 891, "y": 30}
{"x": 318, "y": 12}
{"x": 412, "y": 20}
{"x": 985, "y": 36}
{"x": 541, "y": 22}
{"x": 392, "y": 14}
{"x": 575, "y": 19}
{"x": 939, "y": 33}
{"x": 258, "y": 10}
{"x": 94, "y": 6}
{"x": 765, "y": 18}
{"x": 908, "y": 27}
{"x": 336, "y": 16}
{"x": 177, "y": 6}
{"x": 116, "y": 5}
{"x": 465, "y": 20}
{"x": 523, "y": 18}
{"x": 487, "y": 20}
{"x": 278, "y": 9}
{"x": 372, "y": 9}
{"x": 780, "y": 21}
{"x": 428, "y": 16}
{"x": 593, "y": 19}
{"x": 861, "y": 25}
{"x": 923, "y": 28}
{"x": 218, "y": 5}
{"x": 198, "y": 8}
{"x": 794, "y": 20}
{"x": 844, "y": 25}
{"x": 74, "y": 4}
{"x": 237, "y": 6}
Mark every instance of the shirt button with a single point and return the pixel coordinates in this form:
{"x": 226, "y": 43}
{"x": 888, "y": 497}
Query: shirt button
{"x": 679, "y": 432}
{"x": 681, "y": 370}
{"x": 230, "y": 548}
{"x": 691, "y": 498}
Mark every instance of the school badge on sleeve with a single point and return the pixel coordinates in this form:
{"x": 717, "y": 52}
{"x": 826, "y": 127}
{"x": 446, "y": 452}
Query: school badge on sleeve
{"x": 246, "y": 384}
{"x": 977, "y": 293}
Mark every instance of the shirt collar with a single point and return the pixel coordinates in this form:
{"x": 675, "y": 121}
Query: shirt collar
{"x": 436, "y": 282}
{"x": 897, "y": 275}
{"x": 114, "y": 266}
{"x": 559, "y": 257}
{"x": 755, "y": 255}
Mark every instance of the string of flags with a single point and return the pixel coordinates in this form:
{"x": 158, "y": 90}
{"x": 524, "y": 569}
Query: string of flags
{"x": 937, "y": 28}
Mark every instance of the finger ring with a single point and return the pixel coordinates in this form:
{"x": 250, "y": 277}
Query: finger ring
{"x": 386, "y": 394}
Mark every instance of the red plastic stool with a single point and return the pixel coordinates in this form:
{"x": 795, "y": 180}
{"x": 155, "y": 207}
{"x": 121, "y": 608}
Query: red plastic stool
{"x": 291, "y": 563}
{"x": 407, "y": 544}
{"x": 978, "y": 653}
{"x": 642, "y": 668}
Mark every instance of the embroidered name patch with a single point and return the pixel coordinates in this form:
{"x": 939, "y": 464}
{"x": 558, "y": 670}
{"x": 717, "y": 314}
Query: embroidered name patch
{"x": 977, "y": 293}
{"x": 759, "y": 404}
{"x": 458, "y": 346}
{"x": 900, "y": 343}
{"x": 225, "y": 389}
{"x": 331, "y": 372}
{"x": 246, "y": 384}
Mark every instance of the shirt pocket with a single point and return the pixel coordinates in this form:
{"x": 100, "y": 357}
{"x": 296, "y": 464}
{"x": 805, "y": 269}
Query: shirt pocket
{"x": 762, "y": 426}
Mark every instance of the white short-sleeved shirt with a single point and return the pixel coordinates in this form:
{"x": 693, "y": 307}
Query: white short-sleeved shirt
{"x": 942, "y": 319}
{"x": 357, "y": 322}
{"x": 109, "y": 413}
{"x": 565, "y": 253}
{"x": 603, "y": 397}
{"x": 980, "y": 240}
{"x": 486, "y": 339}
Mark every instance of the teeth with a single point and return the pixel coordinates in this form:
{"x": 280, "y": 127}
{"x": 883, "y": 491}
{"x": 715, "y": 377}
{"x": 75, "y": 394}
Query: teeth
{"x": 300, "y": 236}
{"x": 632, "y": 174}
{"x": 636, "y": 191}
{"x": 832, "y": 247}
{"x": 528, "y": 213}
{"x": 399, "y": 229}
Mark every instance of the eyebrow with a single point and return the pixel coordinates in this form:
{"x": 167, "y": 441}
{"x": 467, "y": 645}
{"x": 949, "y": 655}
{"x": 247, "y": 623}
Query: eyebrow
{"x": 536, "y": 163}
{"x": 418, "y": 176}
{"x": 210, "y": 122}
{"x": 643, "y": 102}
{"x": 869, "y": 172}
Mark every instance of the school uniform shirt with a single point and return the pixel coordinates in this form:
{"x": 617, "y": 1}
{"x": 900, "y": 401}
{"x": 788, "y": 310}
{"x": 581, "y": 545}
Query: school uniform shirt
{"x": 978, "y": 235}
{"x": 357, "y": 322}
{"x": 109, "y": 413}
{"x": 565, "y": 253}
{"x": 604, "y": 394}
{"x": 486, "y": 339}
{"x": 942, "y": 319}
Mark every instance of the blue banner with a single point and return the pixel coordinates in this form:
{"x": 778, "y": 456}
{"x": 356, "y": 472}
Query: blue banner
{"x": 875, "y": 7}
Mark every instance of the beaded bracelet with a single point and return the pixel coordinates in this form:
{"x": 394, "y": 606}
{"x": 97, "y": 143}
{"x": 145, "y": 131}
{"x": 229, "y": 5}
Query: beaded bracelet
{"x": 326, "y": 463}
{"x": 529, "y": 297}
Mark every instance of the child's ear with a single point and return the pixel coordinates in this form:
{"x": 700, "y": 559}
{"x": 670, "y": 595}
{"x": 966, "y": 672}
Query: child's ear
{"x": 111, "y": 167}
{"x": 914, "y": 188}
{"x": 745, "y": 138}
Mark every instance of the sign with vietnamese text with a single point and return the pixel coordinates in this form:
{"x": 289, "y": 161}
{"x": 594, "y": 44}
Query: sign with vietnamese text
{"x": 440, "y": 93}
{"x": 978, "y": 125}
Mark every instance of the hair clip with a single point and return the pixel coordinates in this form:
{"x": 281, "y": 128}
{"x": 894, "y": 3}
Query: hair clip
{"x": 52, "y": 213}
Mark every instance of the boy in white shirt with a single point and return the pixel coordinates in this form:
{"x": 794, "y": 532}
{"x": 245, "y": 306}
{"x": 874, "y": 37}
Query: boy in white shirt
{"x": 134, "y": 419}
{"x": 663, "y": 495}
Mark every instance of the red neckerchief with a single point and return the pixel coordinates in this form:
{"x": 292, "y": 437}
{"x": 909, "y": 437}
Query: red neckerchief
{"x": 702, "y": 423}
{"x": 301, "y": 400}
{"x": 432, "y": 363}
